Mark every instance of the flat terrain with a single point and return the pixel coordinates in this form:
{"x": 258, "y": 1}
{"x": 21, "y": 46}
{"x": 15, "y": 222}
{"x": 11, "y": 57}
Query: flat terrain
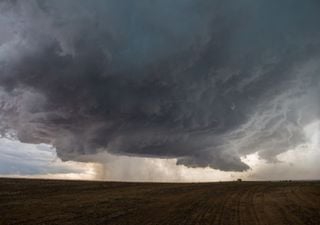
{"x": 77, "y": 202}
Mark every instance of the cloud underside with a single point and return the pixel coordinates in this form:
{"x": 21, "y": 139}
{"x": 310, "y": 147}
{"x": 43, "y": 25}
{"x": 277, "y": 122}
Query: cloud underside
{"x": 206, "y": 82}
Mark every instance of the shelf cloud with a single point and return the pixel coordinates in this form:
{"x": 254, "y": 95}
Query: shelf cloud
{"x": 204, "y": 82}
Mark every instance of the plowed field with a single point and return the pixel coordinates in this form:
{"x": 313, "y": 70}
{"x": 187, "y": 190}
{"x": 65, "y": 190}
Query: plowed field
{"x": 35, "y": 202}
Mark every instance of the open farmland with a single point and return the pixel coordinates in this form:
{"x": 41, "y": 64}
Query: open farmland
{"x": 35, "y": 202}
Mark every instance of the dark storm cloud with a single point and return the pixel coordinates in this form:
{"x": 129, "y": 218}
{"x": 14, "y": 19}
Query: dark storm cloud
{"x": 202, "y": 81}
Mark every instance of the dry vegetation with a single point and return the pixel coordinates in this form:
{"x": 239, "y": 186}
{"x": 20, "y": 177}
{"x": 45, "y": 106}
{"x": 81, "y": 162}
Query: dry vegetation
{"x": 75, "y": 202}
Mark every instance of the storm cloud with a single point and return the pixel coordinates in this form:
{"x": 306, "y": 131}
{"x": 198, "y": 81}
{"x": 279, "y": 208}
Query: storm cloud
{"x": 205, "y": 82}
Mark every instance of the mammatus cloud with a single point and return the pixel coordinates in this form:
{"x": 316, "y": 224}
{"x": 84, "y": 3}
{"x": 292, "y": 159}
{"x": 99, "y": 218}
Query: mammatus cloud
{"x": 205, "y": 82}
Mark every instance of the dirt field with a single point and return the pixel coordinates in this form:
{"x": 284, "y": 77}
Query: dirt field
{"x": 90, "y": 203}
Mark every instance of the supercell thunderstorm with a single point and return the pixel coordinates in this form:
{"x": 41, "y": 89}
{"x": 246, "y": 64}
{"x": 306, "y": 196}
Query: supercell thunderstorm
{"x": 205, "y": 82}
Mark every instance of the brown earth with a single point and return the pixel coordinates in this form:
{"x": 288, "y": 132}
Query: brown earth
{"x": 90, "y": 203}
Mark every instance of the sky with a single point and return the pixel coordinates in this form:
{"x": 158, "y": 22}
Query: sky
{"x": 184, "y": 91}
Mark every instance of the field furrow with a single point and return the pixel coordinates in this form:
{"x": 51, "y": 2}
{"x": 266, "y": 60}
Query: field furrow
{"x": 49, "y": 202}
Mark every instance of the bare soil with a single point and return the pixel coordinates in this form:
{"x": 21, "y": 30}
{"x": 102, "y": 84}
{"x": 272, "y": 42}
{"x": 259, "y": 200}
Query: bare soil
{"x": 33, "y": 202}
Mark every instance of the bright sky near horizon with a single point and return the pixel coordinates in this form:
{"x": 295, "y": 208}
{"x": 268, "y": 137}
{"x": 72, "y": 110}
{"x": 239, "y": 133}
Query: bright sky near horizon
{"x": 40, "y": 161}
